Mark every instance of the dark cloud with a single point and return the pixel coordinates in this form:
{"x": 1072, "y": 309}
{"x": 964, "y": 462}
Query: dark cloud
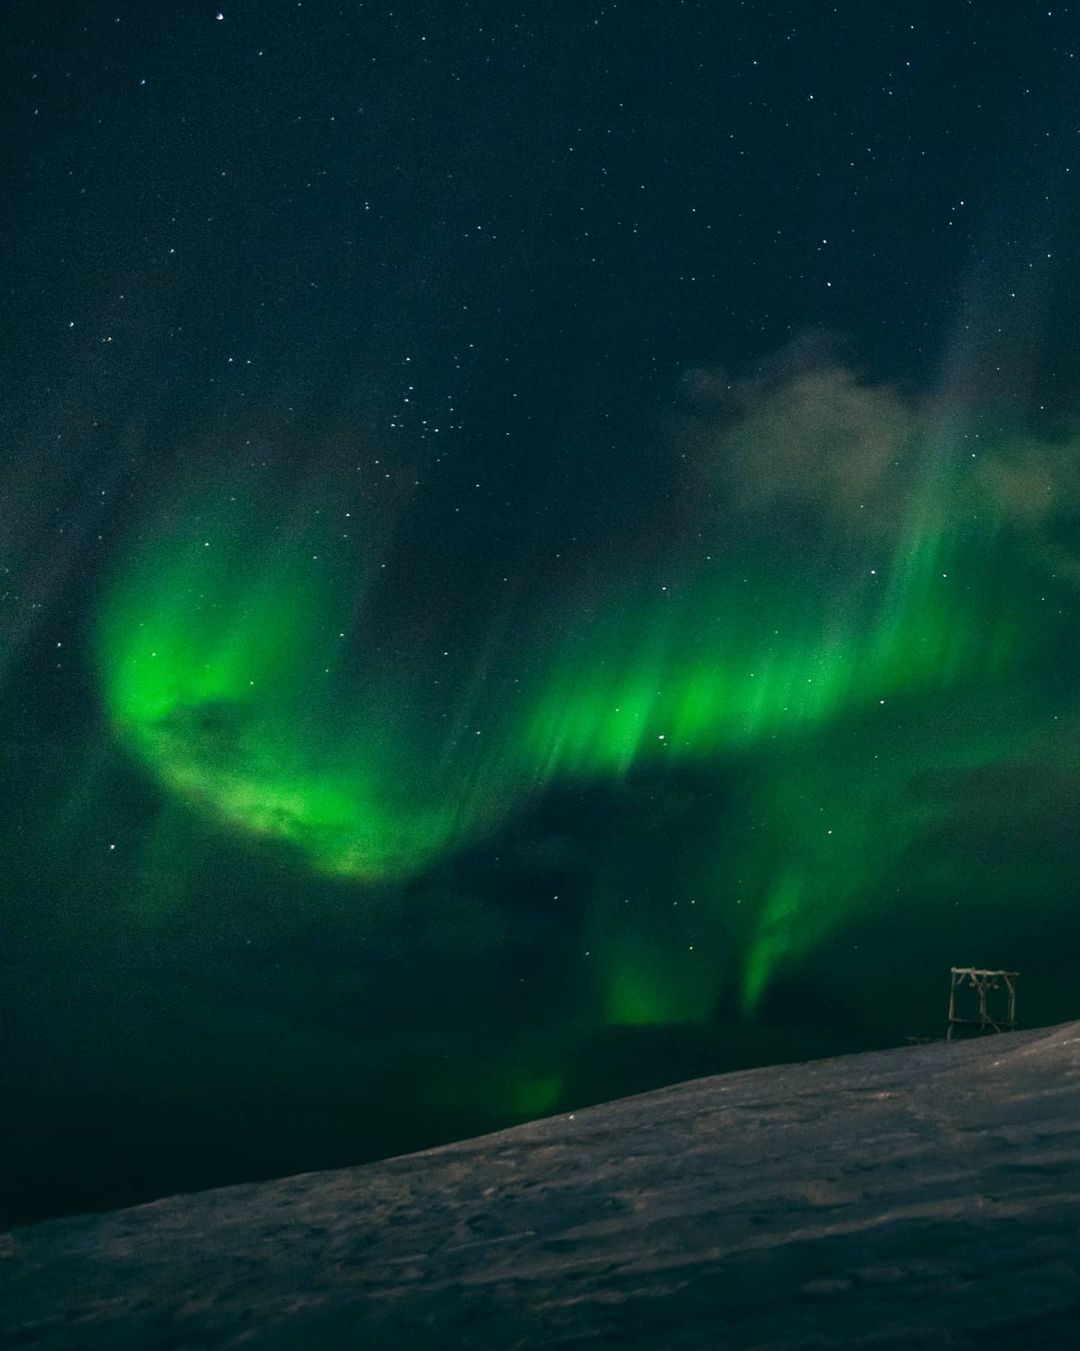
{"x": 801, "y": 435}
{"x": 806, "y": 437}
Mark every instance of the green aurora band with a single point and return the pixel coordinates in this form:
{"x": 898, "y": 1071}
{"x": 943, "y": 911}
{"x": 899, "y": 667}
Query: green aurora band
{"x": 232, "y": 665}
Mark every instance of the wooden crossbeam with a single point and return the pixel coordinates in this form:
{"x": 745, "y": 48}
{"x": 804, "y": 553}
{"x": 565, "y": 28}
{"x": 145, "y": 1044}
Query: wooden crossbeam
{"x": 984, "y": 983}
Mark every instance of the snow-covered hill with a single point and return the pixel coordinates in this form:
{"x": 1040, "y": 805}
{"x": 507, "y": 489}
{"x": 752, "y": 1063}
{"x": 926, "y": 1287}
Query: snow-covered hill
{"x": 922, "y": 1197}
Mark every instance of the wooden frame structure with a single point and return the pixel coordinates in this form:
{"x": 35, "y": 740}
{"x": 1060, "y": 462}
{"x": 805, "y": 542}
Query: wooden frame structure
{"x": 984, "y": 983}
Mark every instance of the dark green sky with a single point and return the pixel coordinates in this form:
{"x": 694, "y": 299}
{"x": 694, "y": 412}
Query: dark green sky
{"x": 541, "y": 556}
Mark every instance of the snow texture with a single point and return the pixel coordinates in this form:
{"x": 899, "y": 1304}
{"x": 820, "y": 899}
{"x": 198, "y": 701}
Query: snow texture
{"x": 922, "y": 1197}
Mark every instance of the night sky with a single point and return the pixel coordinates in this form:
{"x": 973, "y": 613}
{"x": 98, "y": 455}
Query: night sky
{"x": 540, "y": 557}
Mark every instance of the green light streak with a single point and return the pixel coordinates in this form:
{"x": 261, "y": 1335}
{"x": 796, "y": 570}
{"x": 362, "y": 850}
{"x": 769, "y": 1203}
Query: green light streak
{"x": 231, "y": 661}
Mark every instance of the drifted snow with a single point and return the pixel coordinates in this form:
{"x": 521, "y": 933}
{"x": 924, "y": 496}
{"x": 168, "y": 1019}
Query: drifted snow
{"x": 923, "y": 1197}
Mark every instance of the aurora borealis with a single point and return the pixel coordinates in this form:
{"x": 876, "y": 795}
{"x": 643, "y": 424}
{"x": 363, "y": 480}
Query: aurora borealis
{"x": 225, "y": 668}
{"x": 506, "y": 610}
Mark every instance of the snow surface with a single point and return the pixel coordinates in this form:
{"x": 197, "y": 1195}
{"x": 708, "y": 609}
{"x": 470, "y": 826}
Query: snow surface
{"x": 922, "y": 1197}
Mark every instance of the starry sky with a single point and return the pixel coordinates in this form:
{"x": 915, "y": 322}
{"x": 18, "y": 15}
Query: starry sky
{"x": 540, "y": 557}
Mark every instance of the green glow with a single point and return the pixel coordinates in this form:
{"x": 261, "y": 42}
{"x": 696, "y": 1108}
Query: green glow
{"x": 233, "y": 665}
{"x": 220, "y": 654}
{"x": 775, "y": 932}
{"x": 535, "y": 1097}
{"x": 651, "y": 985}
{"x": 516, "y": 1089}
{"x": 737, "y": 662}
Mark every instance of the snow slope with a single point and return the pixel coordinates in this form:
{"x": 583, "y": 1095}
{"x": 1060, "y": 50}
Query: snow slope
{"x": 922, "y": 1197}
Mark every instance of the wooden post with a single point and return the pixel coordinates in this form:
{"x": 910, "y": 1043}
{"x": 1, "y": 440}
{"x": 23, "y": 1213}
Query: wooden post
{"x": 984, "y": 983}
{"x": 952, "y": 1004}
